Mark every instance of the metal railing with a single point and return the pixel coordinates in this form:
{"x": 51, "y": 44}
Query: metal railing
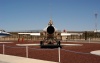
{"x": 27, "y": 50}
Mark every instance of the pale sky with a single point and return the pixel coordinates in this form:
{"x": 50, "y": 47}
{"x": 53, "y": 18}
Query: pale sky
{"x": 72, "y": 15}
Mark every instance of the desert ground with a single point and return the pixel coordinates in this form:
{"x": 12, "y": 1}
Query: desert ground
{"x": 69, "y": 54}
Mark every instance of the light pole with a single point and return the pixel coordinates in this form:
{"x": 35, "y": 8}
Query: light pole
{"x": 96, "y": 22}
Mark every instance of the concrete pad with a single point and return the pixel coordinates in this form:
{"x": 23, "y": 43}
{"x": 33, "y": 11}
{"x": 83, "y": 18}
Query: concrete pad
{"x": 6, "y": 42}
{"x": 97, "y": 52}
{"x": 27, "y": 44}
{"x": 16, "y": 59}
{"x": 71, "y": 44}
{"x": 39, "y": 44}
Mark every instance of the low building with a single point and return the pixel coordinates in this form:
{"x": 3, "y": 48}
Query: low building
{"x": 83, "y": 35}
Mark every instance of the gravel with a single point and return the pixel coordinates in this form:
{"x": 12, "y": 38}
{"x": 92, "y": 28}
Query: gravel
{"x": 69, "y": 54}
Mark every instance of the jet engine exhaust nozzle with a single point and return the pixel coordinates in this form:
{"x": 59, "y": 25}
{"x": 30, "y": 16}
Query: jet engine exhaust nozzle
{"x": 50, "y": 29}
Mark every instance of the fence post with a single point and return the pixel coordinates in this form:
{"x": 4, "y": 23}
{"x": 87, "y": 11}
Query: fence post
{"x": 3, "y": 48}
{"x": 89, "y": 40}
{"x": 27, "y": 51}
{"x": 59, "y": 53}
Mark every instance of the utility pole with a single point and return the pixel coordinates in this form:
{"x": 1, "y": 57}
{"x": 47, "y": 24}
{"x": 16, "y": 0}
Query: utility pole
{"x": 96, "y": 22}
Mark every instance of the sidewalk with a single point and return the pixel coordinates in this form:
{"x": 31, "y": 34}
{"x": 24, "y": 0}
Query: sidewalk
{"x": 16, "y": 59}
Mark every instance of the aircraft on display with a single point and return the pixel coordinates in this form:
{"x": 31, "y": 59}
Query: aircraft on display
{"x": 3, "y": 33}
{"x": 49, "y": 35}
